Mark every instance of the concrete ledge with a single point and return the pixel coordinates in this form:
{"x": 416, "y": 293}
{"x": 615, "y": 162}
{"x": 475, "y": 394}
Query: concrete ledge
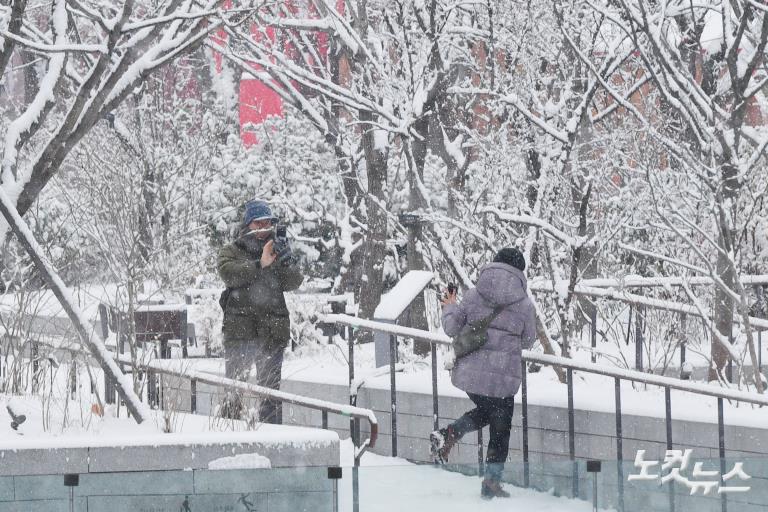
{"x": 548, "y": 426}
{"x": 284, "y": 446}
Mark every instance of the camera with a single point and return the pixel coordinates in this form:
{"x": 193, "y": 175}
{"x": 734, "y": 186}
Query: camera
{"x": 282, "y": 247}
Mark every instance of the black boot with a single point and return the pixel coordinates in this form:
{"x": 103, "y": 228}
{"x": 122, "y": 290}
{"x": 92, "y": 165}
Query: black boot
{"x": 441, "y": 443}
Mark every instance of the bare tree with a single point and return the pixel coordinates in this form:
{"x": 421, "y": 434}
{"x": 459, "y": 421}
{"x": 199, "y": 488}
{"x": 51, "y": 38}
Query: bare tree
{"x": 705, "y": 63}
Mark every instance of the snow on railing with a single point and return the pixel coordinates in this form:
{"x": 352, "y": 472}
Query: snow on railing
{"x": 530, "y": 356}
{"x": 164, "y": 366}
{"x": 621, "y": 294}
{"x": 644, "y": 282}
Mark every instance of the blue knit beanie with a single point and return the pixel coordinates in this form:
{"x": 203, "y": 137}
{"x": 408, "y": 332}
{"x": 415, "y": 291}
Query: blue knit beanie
{"x": 257, "y": 209}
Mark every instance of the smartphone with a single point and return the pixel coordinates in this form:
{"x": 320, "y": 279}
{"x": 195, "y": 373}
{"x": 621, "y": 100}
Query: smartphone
{"x": 452, "y": 289}
{"x": 281, "y": 231}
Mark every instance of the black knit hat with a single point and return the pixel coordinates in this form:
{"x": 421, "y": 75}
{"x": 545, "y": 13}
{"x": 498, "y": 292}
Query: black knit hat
{"x": 510, "y": 256}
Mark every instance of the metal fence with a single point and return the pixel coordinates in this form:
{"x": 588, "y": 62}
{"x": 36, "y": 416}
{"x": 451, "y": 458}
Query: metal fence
{"x": 156, "y": 367}
{"x": 629, "y": 291}
{"x": 570, "y": 366}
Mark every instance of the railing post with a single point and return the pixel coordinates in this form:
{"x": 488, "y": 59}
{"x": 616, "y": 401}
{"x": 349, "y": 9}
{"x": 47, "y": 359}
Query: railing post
{"x": 356, "y": 488}
{"x": 393, "y": 390}
{"x": 524, "y": 419}
{"x": 668, "y": 415}
{"x": 639, "y": 321}
{"x": 352, "y": 394}
{"x": 109, "y": 390}
{"x": 729, "y": 366}
{"x": 593, "y": 331}
{"x": 619, "y": 443}
{"x": 193, "y": 396}
{"x": 165, "y": 352}
{"x": 160, "y": 391}
{"x": 435, "y": 412}
{"x": 354, "y": 424}
{"x": 683, "y": 339}
{"x": 572, "y": 436}
{"x": 73, "y": 380}
{"x": 324, "y": 420}
{"x": 151, "y": 388}
{"x": 721, "y": 449}
{"x": 35, "y": 365}
{"x": 668, "y": 422}
{"x": 761, "y": 314}
{"x": 480, "y": 459}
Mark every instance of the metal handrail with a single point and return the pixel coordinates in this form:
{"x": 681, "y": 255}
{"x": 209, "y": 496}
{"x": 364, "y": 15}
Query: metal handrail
{"x": 622, "y": 295}
{"x": 570, "y": 365}
{"x": 162, "y": 367}
{"x": 281, "y": 396}
{"x": 536, "y": 357}
{"x": 647, "y": 282}
{"x": 648, "y": 378}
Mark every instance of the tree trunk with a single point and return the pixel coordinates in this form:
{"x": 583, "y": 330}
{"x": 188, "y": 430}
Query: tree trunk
{"x": 14, "y": 25}
{"x": 350, "y": 277}
{"x": 723, "y": 317}
{"x": 375, "y": 201}
{"x": 418, "y": 310}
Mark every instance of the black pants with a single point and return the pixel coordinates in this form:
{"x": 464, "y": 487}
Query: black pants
{"x": 240, "y": 358}
{"x": 497, "y": 414}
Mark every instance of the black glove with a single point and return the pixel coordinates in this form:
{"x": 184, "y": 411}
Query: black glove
{"x": 284, "y": 254}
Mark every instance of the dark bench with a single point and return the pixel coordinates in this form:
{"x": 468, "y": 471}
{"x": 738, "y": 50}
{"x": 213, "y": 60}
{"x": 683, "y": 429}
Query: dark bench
{"x": 155, "y": 324}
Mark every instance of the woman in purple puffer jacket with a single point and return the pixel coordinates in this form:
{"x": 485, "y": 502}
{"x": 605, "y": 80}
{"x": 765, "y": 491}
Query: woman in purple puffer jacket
{"x": 490, "y": 375}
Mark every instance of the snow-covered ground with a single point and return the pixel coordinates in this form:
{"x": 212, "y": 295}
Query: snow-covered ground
{"x": 389, "y": 483}
{"x": 46, "y": 426}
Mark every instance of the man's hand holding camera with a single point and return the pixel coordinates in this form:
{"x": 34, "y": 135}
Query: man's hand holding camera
{"x": 277, "y": 250}
{"x": 268, "y": 255}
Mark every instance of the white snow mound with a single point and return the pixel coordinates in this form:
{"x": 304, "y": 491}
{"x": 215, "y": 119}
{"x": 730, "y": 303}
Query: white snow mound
{"x": 242, "y": 461}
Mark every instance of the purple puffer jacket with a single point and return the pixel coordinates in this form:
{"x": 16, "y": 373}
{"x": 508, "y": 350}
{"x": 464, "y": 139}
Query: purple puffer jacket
{"x": 493, "y": 370}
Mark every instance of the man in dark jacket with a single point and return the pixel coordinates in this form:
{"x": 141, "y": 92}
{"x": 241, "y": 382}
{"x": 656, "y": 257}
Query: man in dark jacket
{"x": 256, "y": 326}
{"x": 491, "y": 374}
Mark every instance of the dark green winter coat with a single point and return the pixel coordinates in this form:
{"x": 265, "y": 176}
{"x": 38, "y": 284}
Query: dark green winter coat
{"x": 255, "y": 309}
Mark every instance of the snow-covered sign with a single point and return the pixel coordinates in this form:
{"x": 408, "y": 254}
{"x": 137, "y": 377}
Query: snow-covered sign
{"x": 393, "y": 304}
{"x": 397, "y": 300}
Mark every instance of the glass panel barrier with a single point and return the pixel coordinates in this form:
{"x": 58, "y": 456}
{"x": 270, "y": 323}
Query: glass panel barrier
{"x": 235, "y": 490}
{"x": 388, "y": 488}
